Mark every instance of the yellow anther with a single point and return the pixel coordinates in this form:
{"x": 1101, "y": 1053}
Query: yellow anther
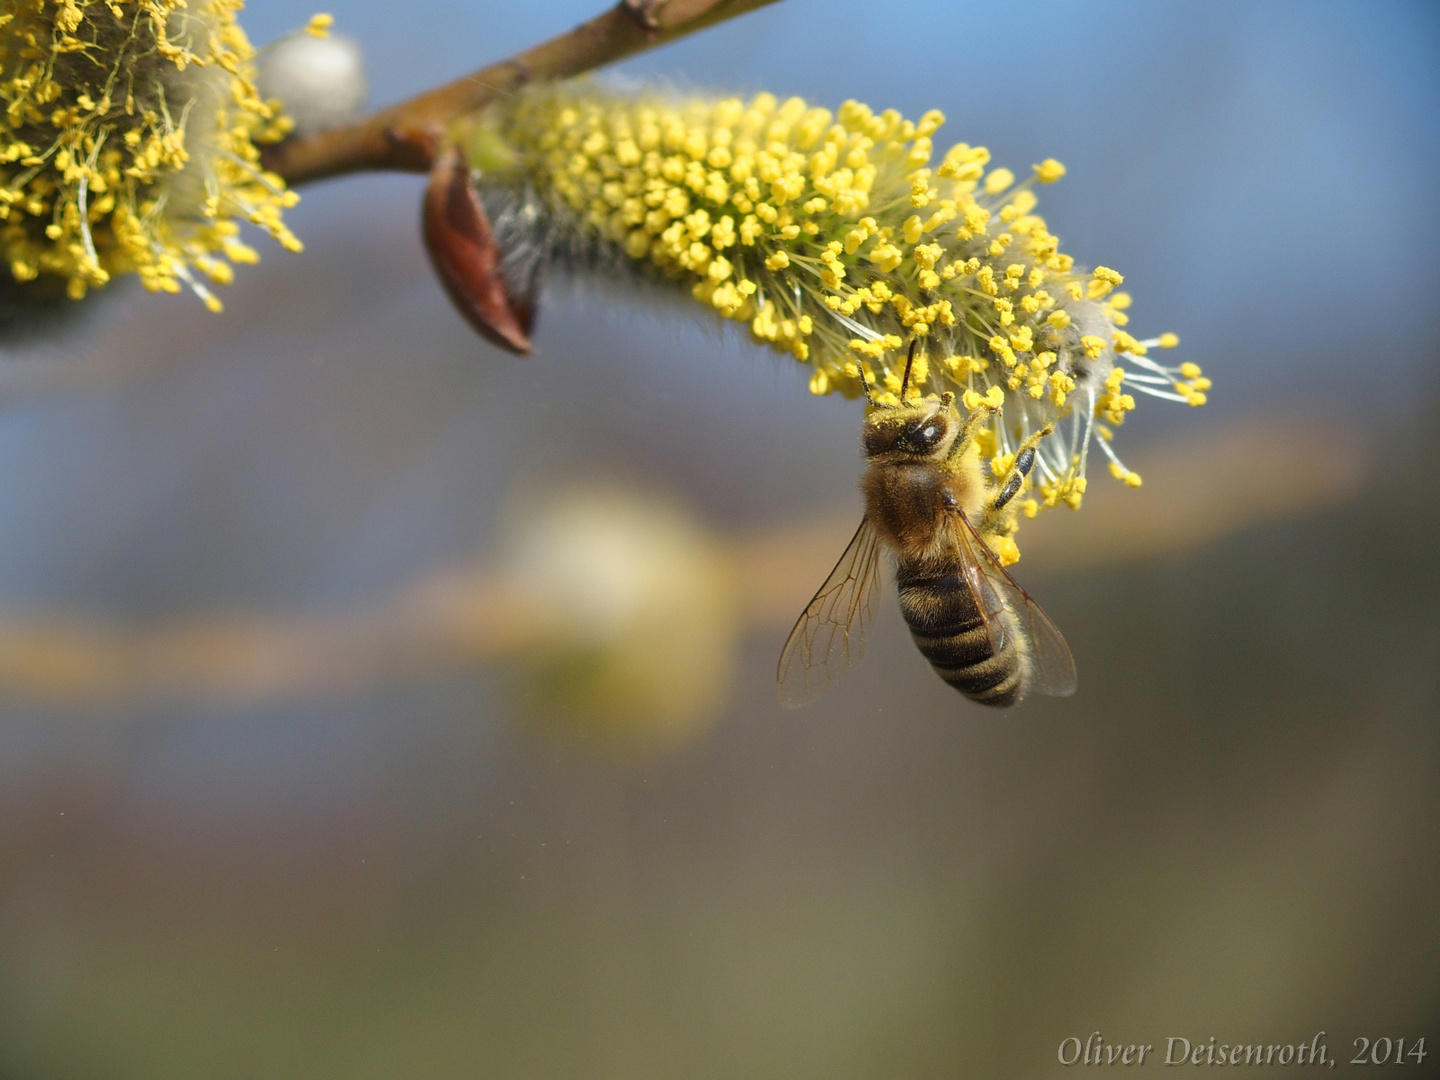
{"x": 998, "y": 181}
{"x": 886, "y": 256}
{"x": 1123, "y": 342}
{"x": 1048, "y": 171}
{"x": 1102, "y": 282}
{"x": 930, "y": 123}
{"x": 926, "y": 255}
{"x": 1061, "y": 385}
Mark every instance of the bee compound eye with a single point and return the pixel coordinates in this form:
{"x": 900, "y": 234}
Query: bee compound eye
{"x": 922, "y": 436}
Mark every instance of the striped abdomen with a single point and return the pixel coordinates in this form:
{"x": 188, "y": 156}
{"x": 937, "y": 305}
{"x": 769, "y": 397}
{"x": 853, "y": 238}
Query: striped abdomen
{"x": 945, "y": 621}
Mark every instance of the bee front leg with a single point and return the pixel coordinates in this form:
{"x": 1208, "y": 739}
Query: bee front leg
{"x": 1015, "y": 479}
{"x": 971, "y": 424}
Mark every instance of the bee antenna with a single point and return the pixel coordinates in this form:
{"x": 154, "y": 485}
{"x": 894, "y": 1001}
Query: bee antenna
{"x": 905, "y": 379}
{"x": 865, "y": 385}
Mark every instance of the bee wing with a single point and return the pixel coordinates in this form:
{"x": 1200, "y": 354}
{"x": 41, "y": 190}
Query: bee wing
{"x": 995, "y": 589}
{"x": 829, "y": 637}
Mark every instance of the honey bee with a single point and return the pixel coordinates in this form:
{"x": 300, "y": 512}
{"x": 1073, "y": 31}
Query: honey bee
{"x": 928, "y": 505}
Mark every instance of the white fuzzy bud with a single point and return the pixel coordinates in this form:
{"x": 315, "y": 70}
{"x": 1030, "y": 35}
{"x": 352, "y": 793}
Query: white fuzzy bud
{"x": 320, "y": 81}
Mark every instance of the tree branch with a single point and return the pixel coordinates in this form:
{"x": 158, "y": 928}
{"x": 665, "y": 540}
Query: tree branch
{"x": 379, "y": 142}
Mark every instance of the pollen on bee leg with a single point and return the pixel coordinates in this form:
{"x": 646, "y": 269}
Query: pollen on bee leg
{"x": 1005, "y": 549}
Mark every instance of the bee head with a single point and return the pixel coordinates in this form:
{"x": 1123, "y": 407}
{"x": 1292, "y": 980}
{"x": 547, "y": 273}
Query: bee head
{"x": 921, "y": 430}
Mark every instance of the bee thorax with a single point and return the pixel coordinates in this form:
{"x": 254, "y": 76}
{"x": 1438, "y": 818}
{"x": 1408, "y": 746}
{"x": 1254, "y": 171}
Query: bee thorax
{"x": 912, "y": 508}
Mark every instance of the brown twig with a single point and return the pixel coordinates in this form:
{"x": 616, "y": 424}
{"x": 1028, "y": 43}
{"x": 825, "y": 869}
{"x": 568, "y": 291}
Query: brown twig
{"x": 631, "y": 27}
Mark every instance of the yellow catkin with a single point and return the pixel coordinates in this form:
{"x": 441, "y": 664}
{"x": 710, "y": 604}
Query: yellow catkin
{"x": 838, "y": 238}
{"x": 128, "y": 144}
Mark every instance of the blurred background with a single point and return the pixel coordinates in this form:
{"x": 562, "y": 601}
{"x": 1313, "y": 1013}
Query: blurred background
{"x": 373, "y": 703}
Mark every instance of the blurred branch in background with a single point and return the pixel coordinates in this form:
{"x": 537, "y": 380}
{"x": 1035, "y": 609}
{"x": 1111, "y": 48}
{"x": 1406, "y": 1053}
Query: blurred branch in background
{"x": 1195, "y": 494}
{"x": 630, "y": 27}
{"x": 601, "y": 582}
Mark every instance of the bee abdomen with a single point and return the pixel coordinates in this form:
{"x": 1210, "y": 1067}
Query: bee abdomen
{"x": 950, "y": 632}
{"x": 997, "y": 681}
{"x": 962, "y": 650}
{"x": 938, "y": 605}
